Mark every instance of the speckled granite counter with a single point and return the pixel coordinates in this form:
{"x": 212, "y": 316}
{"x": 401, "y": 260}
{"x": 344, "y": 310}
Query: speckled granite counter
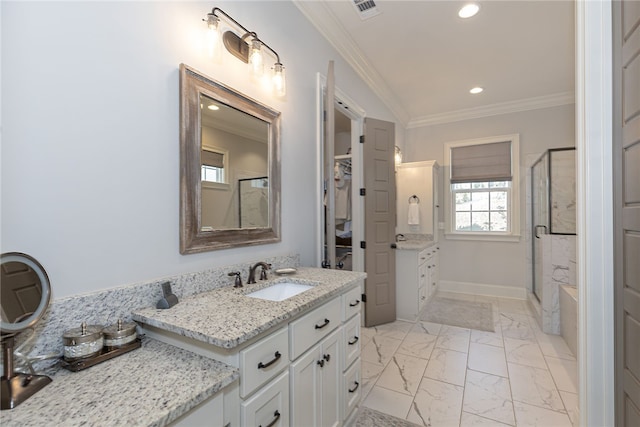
{"x": 226, "y": 317}
{"x": 150, "y": 386}
{"x": 414, "y": 245}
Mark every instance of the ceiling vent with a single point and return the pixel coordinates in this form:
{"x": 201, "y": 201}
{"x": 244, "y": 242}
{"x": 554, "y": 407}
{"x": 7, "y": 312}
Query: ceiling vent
{"x": 366, "y": 8}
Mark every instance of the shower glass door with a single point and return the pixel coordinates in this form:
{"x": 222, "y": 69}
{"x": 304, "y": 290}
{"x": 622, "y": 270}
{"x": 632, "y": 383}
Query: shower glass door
{"x": 539, "y": 218}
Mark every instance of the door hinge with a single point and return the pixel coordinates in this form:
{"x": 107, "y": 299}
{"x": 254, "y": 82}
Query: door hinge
{"x": 363, "y": 192}
{"x": 363, "y": 245}
{"x": 364, "y": 298}
{"x": 361, "y": 139}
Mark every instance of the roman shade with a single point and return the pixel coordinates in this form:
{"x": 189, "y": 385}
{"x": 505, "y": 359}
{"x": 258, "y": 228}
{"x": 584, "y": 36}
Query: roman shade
{"x": 212, "y": 158}
{"x": 481, "y": 162}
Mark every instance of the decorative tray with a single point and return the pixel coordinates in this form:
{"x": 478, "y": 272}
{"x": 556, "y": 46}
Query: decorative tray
{"x": 105, "y": 354}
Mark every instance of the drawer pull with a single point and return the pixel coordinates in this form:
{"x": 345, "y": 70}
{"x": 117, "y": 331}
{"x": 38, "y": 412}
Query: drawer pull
{"x": 275, "y": 420}
{"x": 277, "y": 356}
{"x": 326, "y": 322}
{"x": 353, "y": 304}
{"x": 352, "y": 390}
{"x": 355, "y": 340}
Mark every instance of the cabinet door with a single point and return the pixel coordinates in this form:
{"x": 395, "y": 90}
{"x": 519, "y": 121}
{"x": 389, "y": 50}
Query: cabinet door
{"x": 305, "y": 389}
{"x": 315, "y": 382}
{"x": 269, "y": 406}
{"x": 208, "y": 413}
{"x": 331, "y": 376}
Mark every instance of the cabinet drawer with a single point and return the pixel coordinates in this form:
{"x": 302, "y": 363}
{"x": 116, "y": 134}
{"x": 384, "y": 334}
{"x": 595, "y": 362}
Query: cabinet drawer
{"x": 312, "y": 327}
{"x": 351, "y": 303}
{"x": 422, "y": 274}
{"x": 263, "y": 360}
{"x": 208, "y": 413}
{"x": 351, "y": 341}
{"x": 351, "y": 389}
{"x": 269, "y": 405}
{"x": 424, "y": 255}
{"x": 423, "y": 295}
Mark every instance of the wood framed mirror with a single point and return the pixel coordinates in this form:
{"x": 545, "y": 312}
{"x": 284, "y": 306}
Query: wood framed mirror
{"x": 226, "y": 141}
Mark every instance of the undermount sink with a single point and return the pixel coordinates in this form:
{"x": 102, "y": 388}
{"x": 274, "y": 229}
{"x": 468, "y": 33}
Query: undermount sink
{"x": 280, "y": 291}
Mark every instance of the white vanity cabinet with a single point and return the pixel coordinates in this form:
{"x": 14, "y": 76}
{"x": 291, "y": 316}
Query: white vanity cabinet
{"x": 315, "y": 384}
{"x": 297, "y": 374}
{"x": 419, "y": 179}
{"x": 350, "y": 362}
{"x": 416, "y": 280}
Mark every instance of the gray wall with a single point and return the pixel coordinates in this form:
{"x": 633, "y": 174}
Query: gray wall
{"x": 484, "y": 262}
{"x": 90, "y": 143}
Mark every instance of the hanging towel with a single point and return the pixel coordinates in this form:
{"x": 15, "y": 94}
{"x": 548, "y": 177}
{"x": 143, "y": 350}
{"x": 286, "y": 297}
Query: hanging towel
{"x": 414, "y": 214}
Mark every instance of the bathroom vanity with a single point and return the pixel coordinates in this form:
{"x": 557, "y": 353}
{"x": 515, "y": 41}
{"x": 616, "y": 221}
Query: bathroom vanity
{"x": 417, "y": 275}
{"x": 297, "y": 358}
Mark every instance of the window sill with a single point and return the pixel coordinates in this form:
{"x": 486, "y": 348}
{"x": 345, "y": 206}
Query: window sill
{"x": 216, "y": 185}
{"x": 513, "y": 238}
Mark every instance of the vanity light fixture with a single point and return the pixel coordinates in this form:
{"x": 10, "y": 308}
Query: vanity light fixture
{"x": 468, "y": 10}
{"x": 476, "y": 90}
{"x": 248, "y": 48}
{"x": 397, "y": 155}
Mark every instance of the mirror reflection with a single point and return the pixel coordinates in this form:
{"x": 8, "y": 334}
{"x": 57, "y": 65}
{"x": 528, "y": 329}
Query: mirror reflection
{"x": 229, "y": 167}
{"x": 234, "y": 168}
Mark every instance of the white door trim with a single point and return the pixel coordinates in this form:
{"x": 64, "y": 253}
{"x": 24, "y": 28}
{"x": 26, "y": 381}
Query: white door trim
{"x": 595, "y": 212}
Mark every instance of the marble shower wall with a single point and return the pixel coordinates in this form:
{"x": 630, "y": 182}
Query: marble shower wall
{"x": 563, "y": 191}
{"x": 558, "y": 268}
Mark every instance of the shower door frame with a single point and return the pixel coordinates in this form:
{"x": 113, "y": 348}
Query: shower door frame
{"x": 549, "y": 223}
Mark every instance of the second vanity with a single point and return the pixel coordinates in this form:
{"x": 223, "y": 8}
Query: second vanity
{"x": 298, "y": 359}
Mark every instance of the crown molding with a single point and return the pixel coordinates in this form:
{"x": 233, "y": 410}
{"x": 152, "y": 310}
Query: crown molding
{"x": 328, "y": 25}
{"x": 535, "y": 103}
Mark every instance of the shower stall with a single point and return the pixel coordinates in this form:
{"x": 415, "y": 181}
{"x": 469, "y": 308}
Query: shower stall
{"x": 553, "y": 230}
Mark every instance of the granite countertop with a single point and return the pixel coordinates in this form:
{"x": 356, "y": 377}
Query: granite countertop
{"x": 414, "y": 245}
{"x": 149, "y": 386}
{"x": 226, "y": 317}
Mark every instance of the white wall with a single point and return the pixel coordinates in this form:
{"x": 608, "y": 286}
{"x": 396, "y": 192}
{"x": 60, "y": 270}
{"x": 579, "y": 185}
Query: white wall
{"x": 492, "y": 263}
{"x": 90, "y": 156}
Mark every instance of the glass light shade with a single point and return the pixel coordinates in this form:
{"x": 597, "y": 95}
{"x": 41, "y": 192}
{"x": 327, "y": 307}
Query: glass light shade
{"x": 279, "y": 80}
{"x": 256, "y": 62}
{"x": 398, "y": 155}
{"x": 214, "y": 37}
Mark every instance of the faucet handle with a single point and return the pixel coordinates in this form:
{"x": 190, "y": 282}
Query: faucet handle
{"x": 263, "y": 273}
{"x": 238, "y": 281}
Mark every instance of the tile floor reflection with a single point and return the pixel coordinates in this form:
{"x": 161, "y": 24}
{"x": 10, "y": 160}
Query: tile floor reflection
{"x": 439, "y": 375}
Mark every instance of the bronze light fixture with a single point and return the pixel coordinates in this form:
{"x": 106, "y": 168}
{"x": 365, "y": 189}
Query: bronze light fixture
{"x": 248, "y": 48}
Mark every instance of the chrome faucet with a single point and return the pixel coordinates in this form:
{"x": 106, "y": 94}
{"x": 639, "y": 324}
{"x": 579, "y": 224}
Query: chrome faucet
{"x": 263, "y": 273}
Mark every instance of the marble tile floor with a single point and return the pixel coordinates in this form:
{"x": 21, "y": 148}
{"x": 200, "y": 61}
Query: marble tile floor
{"x": 439, "y": 375}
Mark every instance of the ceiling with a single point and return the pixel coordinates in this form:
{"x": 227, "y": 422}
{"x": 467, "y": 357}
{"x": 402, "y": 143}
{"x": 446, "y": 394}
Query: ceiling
{"x": 421, "y": 59}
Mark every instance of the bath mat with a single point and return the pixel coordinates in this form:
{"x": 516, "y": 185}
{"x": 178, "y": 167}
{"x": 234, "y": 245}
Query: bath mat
{"x": 455, "y": 312}
{"x": 371, "y": 418}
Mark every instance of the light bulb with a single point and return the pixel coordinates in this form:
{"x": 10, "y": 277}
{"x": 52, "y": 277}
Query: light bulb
{"x": 468, "y": 10}
{"x": 213, "y": 37}
{"x": 256, "y": 65}
{"x": 279, "y": 80}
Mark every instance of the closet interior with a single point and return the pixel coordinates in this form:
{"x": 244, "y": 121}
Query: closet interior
{"x": 342, "y": 181}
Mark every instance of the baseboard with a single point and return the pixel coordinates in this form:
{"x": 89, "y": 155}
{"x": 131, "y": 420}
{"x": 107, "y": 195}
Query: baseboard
{"x": 483, "y": 289}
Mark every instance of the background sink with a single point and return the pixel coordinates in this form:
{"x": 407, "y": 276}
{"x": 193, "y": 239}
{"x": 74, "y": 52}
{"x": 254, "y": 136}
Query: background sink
{"x": 280, "y": 291}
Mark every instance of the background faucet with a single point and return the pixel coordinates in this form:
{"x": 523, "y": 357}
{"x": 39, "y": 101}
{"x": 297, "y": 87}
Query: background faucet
{"x": 263, "y": 273}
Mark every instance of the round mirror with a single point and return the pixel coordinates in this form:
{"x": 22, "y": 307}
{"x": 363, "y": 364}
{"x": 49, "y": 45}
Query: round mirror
{"x": 25, "y": 292}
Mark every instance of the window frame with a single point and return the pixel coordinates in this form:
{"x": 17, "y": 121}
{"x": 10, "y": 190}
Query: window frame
{"x": 225, "y": 169}
{"x": 513, "y": 208}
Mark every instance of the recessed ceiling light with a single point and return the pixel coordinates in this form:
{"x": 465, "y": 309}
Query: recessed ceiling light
{"x": 213, "y": 107}
{"x": 468, "y": 10}
{"x": 476, "y": 90}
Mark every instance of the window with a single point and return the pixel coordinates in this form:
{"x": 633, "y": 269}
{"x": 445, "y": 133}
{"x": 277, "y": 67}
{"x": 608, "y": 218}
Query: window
{"x": 481, "y": 179}
{"x": 214, "y": 164}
